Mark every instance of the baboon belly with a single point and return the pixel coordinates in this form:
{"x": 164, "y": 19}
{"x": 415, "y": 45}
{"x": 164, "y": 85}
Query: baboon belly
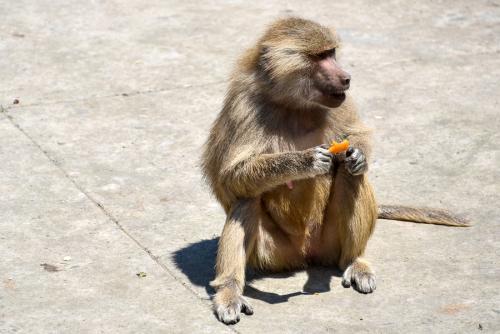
{"x": 299, "y": 210}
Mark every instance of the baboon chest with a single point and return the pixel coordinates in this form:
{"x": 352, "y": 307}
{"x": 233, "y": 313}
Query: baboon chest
{"x": 298, "y": 206}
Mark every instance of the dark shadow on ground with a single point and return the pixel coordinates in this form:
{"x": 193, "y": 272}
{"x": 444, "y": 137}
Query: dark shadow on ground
{"x": 197, "y": 262}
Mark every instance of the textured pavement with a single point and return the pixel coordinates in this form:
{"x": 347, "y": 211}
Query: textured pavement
{"x": 100, "y": 179}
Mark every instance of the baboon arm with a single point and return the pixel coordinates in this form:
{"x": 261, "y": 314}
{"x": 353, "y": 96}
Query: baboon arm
{"x": 360, "y": 137}
{"x": 253, "y": 176}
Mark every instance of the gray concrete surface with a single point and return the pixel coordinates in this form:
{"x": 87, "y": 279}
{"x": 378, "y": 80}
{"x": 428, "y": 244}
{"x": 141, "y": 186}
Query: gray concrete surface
{"x": 99, "y": 176}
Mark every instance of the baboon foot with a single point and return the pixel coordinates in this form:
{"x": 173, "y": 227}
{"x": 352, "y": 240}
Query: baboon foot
{"x": 229, "y": 304}
{"x": 359, "y": 275}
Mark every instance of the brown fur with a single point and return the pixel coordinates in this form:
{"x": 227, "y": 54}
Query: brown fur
{"x": 266, "y": 135}
{"x": 422, "y": 215}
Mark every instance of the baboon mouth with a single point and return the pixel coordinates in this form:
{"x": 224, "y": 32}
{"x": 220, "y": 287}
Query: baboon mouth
{"x": 334, "y": 98}
{"x": 337, "y": 93}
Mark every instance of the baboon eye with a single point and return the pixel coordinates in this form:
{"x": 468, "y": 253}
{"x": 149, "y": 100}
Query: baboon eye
{"x": 327, "y": 53}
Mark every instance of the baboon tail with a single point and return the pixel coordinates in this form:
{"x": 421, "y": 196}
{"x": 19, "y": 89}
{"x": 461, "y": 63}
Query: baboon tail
{"x": 421, "y": 215}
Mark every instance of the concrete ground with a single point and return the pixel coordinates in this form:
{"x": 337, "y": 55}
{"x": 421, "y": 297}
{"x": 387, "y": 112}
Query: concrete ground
{"x": 99, "y": 175}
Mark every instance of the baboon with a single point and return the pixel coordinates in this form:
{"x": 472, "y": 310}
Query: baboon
{"x": 290, "y": 202}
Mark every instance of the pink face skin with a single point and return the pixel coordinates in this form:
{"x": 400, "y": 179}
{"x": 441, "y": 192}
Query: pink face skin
{"x": 331, "y": 80}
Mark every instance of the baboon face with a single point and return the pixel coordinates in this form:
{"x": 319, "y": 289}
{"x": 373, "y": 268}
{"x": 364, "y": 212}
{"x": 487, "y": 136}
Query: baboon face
{"x": 299, "y": 60}
{"x": 329, "y": 78}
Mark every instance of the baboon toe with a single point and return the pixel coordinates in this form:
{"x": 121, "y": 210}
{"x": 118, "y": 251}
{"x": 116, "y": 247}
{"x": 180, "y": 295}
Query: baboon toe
{"x": 246, "y": 307}
{"x": 346, "y": 282}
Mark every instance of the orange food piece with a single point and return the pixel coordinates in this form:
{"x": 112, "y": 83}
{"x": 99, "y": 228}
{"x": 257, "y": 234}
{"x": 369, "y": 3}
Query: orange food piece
{"x": 339, "y": 147}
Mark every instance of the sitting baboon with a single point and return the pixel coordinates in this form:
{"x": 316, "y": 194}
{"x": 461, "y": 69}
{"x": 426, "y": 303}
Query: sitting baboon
{"x": 289, "y": 201}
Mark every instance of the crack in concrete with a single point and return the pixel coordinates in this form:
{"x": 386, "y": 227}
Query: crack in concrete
{"x": 124, "y": 94}
{"x": 108, "y": 214}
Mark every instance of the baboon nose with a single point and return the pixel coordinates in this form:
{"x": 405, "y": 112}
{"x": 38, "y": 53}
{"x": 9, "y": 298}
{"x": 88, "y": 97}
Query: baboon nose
{"x": 346, "y": 80}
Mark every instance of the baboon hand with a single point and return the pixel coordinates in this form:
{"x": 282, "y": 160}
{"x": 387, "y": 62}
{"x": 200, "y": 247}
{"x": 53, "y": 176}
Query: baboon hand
{"x": 355, "y": 161}
{"x": 322, "y": 159}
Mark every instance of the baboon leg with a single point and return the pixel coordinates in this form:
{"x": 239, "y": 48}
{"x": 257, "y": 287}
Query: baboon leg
{"x": 249, "y": 235}
{"x": 235, "y": 244}
{"x": 349, "y": 223}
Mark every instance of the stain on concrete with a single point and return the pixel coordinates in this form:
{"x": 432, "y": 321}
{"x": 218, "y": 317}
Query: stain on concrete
{"x": 452, "y": 309}
{"x": 49, "y": 267}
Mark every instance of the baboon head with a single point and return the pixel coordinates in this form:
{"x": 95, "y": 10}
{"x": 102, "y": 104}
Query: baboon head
{"x": 297, "y": 62}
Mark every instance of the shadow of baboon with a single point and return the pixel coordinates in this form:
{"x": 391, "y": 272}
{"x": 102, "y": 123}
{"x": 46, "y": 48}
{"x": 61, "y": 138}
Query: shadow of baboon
{"x": 197, "y": 262}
